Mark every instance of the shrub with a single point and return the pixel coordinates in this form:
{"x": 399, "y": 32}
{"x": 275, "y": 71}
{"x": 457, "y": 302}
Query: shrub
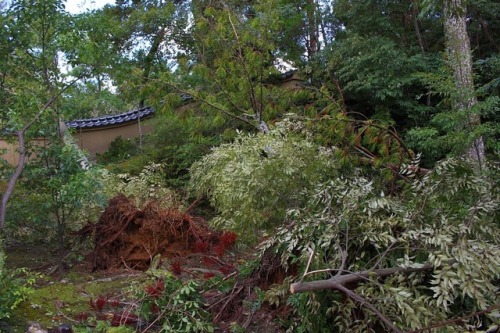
{"x": 13, "y": 289}
{"x": 179, "y": 142}
{"x": 119, "y": 149}
{"x": 254, "y": 180}
{"x": 175, "y": 305}
{"x": 147, "y": 185}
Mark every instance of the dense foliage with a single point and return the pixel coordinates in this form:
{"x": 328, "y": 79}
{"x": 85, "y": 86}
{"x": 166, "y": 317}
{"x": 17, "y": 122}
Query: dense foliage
{"x": 255, "y": 179}
{"x": 14, "y": 288}
{"x": 385, "y": 191}
{"x": 439, "y": 235}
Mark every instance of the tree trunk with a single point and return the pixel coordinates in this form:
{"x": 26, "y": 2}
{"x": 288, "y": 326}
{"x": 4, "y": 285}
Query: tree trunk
{"x": 416, "y": 26}
{"x": 13, "y": 179}
{"x": 22, "y": 156}
{"x": 460, "y": 58}
{"x": 312, "y": 48}
{"x": 148, "y": 61}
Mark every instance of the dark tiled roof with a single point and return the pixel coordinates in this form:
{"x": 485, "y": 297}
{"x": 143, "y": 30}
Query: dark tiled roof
{"x": 186, "y": 97}
{"x": 287, "y": 75}
{"x": 118, "y": 119}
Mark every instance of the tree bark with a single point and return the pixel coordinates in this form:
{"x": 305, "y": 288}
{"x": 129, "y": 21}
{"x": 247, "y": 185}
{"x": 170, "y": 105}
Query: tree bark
{"x": 416, "y": 26}
{"x": 312, "y": 48}
{"x": 460, "y": 58}
{"x": 148, "y": 61}
{"x": 484, "y": 27}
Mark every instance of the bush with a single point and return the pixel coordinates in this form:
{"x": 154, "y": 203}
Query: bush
{"x": 13, "y": 289}
{"x": 133, "y": 165}
{"x": 254, "y": 180}
{"x": 147, "y": 185}
{"x": 57, "y": 197}
{"x": 119, "y": 149}
{"x": 163, "y": 303}
{"x": 175, "y": 305}
{"x": 178, "y": 143}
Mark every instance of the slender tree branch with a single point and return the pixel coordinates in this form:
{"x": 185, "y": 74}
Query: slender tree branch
{"x": 258, "y": 107}
{"x": 336, "y": 281}
{"x": 370, "y": 306}
{"x": 311, "y": 256}
{"x": 232, "y": 115}
{"x": 454, "y": 320}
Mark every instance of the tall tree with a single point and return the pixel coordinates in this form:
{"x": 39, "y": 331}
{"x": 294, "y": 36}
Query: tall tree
{"x": 148, "y": 37}
{"x": 460, "y": 58}
{"x": 231, "y": 61}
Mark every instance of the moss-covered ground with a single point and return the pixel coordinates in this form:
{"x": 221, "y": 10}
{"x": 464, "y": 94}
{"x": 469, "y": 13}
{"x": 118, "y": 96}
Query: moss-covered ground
{"x": 61, "y": 299}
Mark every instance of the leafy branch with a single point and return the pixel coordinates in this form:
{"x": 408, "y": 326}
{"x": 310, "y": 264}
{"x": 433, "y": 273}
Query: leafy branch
{"x": 22, "y": 151}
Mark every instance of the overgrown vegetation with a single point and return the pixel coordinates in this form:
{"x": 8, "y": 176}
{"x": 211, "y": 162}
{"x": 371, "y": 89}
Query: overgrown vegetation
{"x": 363, "y": 188}
{"x": 255, "y": 179}
{"x": 397, "y": 255}
{"x": 16, "y": 286}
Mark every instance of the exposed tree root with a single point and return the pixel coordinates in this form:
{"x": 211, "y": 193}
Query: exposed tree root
{"x": 128, "y": 237}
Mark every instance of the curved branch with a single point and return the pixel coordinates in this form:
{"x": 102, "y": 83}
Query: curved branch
{"x": 370, "y": 306}
{"x": 224, "y": 111}
{"x": 339, "y": 282}
{"x": 22, "y": 152}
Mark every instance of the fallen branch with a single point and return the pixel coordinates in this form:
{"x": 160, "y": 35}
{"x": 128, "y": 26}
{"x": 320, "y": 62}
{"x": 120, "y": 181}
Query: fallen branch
{"x": 337, "y": 282}
{"x": 455, "y": 320}
{"x": 116, "y": 277}
{"x": 370, "y": 306}
{"x": 58, "y": 305}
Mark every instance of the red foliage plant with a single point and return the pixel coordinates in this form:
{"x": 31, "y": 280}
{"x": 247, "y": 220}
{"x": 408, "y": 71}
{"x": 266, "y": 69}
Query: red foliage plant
{"x": 99, "y": 303}
{"x": 125, "y": 318}
{"x": 226, "y": 269}
{"x": 226, "y": 241}
{"x": 207, "y": 276}
{"x": 82, "y": 316}
{"x": 114, "y": 303}
{"x": 210, "y": 262}
{"x": 228, "y": 238}
{"x": 220, "y": 249}
{"x": 201, "y": 247}
{"x": 155, "y": 289}
{"x": 175, "y": 267}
